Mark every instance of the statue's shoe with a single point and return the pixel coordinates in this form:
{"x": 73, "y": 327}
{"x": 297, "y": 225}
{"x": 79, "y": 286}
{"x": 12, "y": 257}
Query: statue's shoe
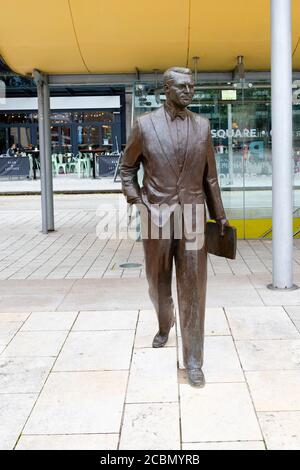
{"x": 160, "y": 340}
{"x": 196, "y": 377}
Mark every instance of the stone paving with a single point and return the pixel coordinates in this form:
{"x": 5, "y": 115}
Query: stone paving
{"x": 61, "y": 183}
{"x": 77, "y": 370}
{"x": 74, "y": 251}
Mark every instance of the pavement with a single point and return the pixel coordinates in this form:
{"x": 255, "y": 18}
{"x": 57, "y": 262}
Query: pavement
{"x": 67, "y": 183}
{"x": 77, "y": 370}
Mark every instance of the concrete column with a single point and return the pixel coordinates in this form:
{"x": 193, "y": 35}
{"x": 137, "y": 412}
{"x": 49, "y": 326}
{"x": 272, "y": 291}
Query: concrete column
{"x": 45, "y": 151}
{"x": 282, "y": 182}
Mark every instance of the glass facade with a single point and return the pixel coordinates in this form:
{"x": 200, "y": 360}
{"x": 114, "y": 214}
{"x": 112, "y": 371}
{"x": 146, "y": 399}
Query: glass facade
{"x": 71, "y": 131}
{"x": 240, "y": 119}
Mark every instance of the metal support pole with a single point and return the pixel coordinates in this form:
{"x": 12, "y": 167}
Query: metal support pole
{"x": 42, "y": 155}
{"x": 45, "y": 151}
{"x": 128, "y": 110}
{"x": 48, "y": 157}
{"x": 196, "y": 60}
{"x": 230, "y": 150}
{"x": 281, "y": 82}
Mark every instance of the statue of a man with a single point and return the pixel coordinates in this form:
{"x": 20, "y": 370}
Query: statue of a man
{"x": 175, "y": 147}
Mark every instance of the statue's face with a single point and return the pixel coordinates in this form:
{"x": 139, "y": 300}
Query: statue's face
{"x": 180, "y": 90}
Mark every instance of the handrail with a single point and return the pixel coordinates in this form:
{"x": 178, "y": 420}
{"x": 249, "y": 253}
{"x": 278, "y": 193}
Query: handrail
{"x": 271, "y": 228}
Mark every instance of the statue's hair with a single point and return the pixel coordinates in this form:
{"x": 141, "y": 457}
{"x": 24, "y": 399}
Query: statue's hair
{"x": 169, "y": 74}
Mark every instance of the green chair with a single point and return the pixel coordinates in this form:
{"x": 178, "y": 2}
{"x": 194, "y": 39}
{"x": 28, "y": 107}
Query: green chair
{"x": 54, "y": 164}
{"x": 61, "y": 163}
{"x": 83, "y": 165}
{"x": 72, "y": 162}
{"x": 30, "y": 165}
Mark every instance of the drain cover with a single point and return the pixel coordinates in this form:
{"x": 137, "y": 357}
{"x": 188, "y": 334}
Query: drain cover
{"x": 130, "y": 265}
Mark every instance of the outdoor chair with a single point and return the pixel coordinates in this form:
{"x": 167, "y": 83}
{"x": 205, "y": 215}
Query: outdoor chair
{"x": 54, "y": 164}
{"x": 83, "y": 165}
{"x": 30, "y": 165}
{"x": 61, "y": 164}
{"x": 72, "y": 162}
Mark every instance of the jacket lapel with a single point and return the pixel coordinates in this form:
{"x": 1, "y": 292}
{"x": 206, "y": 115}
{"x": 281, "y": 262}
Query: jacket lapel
{"x": 163, "y": 135}
{"x": 193, "y": 134}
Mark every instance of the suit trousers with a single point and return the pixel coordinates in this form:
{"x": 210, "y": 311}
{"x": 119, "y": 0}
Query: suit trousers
{"x": 191, "y": 280}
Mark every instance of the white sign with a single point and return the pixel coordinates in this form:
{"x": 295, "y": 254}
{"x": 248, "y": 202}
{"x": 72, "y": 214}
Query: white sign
{"x": 228, "y": 95}
{"x": 63, "y": 102}
{"x": 225, "y": 133}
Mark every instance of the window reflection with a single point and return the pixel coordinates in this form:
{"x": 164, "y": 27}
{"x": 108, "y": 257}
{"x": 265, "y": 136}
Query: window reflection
{"x": 242, "y": 137}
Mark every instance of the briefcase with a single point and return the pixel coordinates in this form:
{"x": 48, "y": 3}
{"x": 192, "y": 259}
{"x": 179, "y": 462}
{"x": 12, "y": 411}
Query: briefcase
{"x": 221, "y": 245}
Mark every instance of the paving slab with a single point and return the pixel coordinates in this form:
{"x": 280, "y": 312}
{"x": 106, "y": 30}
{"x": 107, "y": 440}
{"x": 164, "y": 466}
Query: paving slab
{"x": 221, "y": 362}
{"x": 219, "y": 296}
{"x": 49, "y": 321}
{"x": 277, "y": 354}
{"x": 107, "y": 294}
{"x": 35, "y": 344}
{"x": 24, "y": 374}
{"x": 153, "y": 376}
{"x": 32, "y": 302}
{"x": 148, "y": 426}
{"x": 260, "y": 323}
{"x": 96, "y": 350}
{"x": 218, "y": 412}
{"x": 237, "y": 445}
{"x": 8, "y": 330}
{"x": 281, "y": 429}
{"x": 273, "y": 297}
{"x": 146, "y": 330}
{"x": 293, "y": 312}
{"x": 79, "y": 403}
{"x": 13, "y": 316}
{"x": 275, "y": 390}
{"x": 215, "y": 322}
{"x": 69, "y": 442}
{"x": 35, "y": 287}
{"x": 14, "y": 410}
{"x": 106, "y": 320}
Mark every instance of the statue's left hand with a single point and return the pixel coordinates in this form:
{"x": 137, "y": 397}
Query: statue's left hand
{"x": 222, "y": 223}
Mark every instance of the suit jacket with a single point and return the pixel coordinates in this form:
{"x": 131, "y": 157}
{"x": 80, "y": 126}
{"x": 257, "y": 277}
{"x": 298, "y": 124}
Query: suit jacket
{"x": 150, "y": 143}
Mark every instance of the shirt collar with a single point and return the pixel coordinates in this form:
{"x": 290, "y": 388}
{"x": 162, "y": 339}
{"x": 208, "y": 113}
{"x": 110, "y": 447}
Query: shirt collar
{"x": 175, "y": 112}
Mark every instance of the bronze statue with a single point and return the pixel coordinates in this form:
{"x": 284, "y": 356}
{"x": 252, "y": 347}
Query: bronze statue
{"x": 175, "y": 147}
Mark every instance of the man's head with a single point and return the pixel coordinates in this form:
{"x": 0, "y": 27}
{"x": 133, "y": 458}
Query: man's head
{"x": 179, "y": 86}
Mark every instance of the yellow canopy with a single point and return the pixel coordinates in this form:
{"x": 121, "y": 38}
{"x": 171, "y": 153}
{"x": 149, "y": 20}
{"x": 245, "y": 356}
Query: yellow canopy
{"x": 116, "y": 36}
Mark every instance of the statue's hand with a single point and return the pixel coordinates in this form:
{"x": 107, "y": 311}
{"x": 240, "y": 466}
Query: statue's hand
{"x": 222, "y": 223}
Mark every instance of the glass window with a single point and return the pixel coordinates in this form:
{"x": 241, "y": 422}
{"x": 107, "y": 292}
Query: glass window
{"x": 61, "y": 118}
{"x": 25, "y": 138}
{"x": 55, "y": 134}
{"x": 98, "y": 116}
{"x": 94, "y": 139}
{"x": 66, "y": 139}
{"x": 106, "y": 135}
{"x": 241, "y": 135}
{"x": 3, "y": 148}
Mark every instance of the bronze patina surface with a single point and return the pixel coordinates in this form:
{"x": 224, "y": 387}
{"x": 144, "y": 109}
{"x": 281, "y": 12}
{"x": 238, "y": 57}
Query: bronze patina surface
{"x": 175, "y": 147}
